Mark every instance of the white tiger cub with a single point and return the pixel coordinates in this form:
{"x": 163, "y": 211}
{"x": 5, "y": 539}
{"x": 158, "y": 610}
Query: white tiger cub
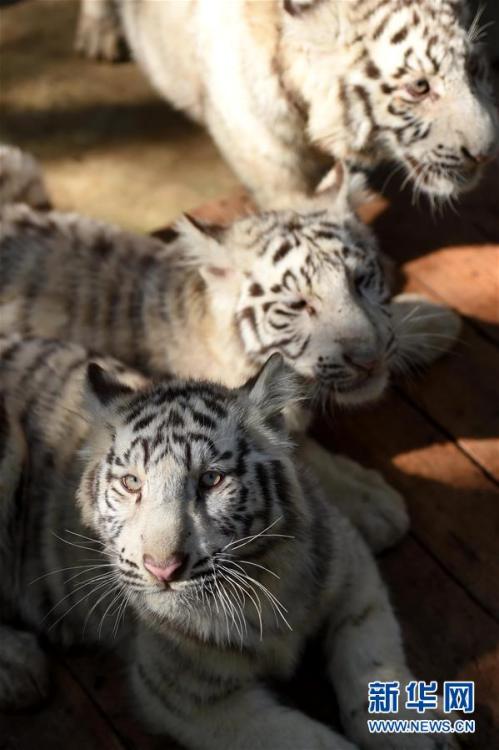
{"x": 217, "y": 301}
{"x": 207, "y": 529}
{"x": 286, "y": 86}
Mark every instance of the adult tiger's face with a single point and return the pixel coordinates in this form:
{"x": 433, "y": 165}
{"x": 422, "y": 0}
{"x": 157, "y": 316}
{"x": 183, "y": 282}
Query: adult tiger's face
{"x": 413, "y": 88}
{"x": 180, "y": 477}
{"x": 309, "y": 286}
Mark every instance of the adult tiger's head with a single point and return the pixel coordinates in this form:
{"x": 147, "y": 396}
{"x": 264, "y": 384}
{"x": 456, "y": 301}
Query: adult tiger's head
{"x": 307, "y": 285}
{"x": 404, "y": 80}
{"x": 186, "y": 482}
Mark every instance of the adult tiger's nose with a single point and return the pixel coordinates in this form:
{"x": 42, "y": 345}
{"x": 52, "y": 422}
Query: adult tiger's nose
{"x": 166, "y": 570}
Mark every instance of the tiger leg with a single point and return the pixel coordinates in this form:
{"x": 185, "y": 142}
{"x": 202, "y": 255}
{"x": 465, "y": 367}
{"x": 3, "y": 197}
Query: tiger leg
{"x": 377, "y": 510}
{"x": 23, "y": 665}
{"x": 425, "y": 330}
{"x": 364, "y": 644}
{"x": 99, "y": 34}
{"x": 211, "y": 715}
{"x": 24, "y": 670}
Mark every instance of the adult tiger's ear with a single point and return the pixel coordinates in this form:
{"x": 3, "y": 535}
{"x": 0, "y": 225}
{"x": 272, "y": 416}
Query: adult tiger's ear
{"x": 273, "y": 388}
{"x": 205, "y": 248}
{"x": 103, "y": 389}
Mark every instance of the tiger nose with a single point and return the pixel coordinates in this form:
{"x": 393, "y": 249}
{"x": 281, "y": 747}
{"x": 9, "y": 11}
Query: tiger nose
{"x": 166, "y": 570}
{"x": 365, "y": 361}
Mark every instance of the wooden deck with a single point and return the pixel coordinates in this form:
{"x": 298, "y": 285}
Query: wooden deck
{"x": 436, "y": 439}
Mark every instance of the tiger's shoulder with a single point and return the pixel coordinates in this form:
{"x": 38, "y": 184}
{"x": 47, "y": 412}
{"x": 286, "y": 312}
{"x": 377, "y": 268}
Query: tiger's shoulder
{"x": 42, "y": 395}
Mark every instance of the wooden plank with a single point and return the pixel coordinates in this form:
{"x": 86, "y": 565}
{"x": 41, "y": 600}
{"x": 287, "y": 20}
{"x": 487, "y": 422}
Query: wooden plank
{"x": 466, "y": 278}
{"x": 459, "y": 392}
{"x": 454, "y": 507}
{"x": 69, "y": 718}
{"x": 448, "y": 637}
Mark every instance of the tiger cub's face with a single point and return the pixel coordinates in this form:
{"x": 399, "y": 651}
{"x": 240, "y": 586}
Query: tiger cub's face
{"x": 180, "y": 476}
{"x": 309, "y": 286}
{"x": 415, "y": 90}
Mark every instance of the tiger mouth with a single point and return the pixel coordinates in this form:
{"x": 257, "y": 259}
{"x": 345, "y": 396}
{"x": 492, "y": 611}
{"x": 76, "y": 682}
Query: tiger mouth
{"x": 459, "y": 173}
{"x": 364, "y": 389}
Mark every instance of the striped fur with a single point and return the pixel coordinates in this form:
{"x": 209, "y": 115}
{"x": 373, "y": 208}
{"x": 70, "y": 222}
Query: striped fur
{"x": 216, "y": 302}
{"x": 286, "y": 85}
{"x": 266, "y": 562}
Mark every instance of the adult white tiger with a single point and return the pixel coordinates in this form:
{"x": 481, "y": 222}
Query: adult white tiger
{"x": 279, "y": 82}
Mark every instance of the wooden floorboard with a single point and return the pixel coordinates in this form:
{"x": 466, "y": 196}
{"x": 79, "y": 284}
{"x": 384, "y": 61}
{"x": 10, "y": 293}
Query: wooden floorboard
{"x": 69, "y": 720}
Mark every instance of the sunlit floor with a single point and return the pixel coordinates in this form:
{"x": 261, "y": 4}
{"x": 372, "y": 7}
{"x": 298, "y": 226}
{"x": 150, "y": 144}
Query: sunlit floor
{"x": 109, "y": 146}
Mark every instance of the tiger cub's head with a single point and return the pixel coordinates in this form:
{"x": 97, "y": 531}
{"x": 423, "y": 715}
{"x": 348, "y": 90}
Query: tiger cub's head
{"x": 411, "y": 85}
{"x": 309, "y": 286}
{"x": 185, "y": 483}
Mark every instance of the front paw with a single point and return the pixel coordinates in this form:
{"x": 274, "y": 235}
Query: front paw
{"x": 24, "y": 672}
{"x": 375, "y": 508}
{"x": 100, "y": 39}
{"x": 285, "y": 730}
{"x": 425, "y": 330}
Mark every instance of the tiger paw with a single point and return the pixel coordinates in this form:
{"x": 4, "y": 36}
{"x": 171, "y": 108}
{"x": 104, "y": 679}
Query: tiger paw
{"x": 24, "y": 670}
{"x": 425, "y": 330}
{"x": 100, "y": 39}
{"x": 375, "y": 508}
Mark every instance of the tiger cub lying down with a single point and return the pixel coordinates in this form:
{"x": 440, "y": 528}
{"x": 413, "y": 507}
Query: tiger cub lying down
{"x": 202, "y": 524}
{"x": 217, "y": 301}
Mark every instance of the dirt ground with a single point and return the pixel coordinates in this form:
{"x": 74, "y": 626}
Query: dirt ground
{"x": 110, "y": 147}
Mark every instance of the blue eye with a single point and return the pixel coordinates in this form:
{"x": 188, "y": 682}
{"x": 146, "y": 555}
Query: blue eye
{"x": 211, "y": 479}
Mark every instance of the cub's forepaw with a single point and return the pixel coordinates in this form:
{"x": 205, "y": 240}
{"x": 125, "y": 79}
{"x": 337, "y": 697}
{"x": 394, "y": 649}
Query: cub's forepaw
{"x": 377, "y": 510}
{"x": 100, "y": 39}
{"x": 385, "y": 520}
{"x": 424, "y": 330}
{"x": 24, "y": 671}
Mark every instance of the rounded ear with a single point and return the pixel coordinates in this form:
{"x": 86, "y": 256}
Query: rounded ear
{"x": 213, "y": 231}
{"x": 273, "y": 388}
{"x": 103, "y": 388}
{"x": 204, "y": 247}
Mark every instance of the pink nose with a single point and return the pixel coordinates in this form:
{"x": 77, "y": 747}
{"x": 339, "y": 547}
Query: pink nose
{"x": 167, "y": 570}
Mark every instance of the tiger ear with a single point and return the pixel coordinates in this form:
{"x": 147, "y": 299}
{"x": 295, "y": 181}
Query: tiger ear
{"x": 204, "y": 246}
{"x": 273, "y": 388}
{"x": 103, "y": 389}
{"x": 207, "y": 229}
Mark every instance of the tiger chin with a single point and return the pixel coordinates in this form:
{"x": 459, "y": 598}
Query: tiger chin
{"x": 302, "y": 83}
{"x": 214, "y": 557}
{"x": 216, "y": 301}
